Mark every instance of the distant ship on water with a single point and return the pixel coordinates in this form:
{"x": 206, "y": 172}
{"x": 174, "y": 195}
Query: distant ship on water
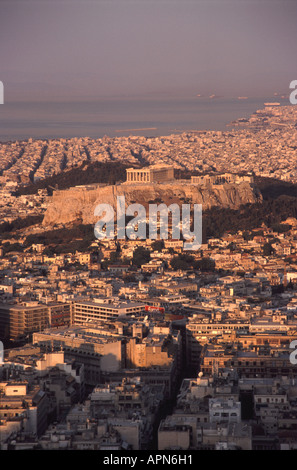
{"x": 210, "y": 96}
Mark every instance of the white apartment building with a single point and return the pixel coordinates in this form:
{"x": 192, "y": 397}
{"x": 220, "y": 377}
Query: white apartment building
{"x": 103, "y": 309}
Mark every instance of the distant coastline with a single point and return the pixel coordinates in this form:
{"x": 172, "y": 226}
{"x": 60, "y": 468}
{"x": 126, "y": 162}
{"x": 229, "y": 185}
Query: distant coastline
{"x": 115, "y": 117}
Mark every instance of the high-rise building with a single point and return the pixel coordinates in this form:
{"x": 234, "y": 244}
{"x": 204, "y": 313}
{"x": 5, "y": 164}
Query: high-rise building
{"x": 17, "y": 321}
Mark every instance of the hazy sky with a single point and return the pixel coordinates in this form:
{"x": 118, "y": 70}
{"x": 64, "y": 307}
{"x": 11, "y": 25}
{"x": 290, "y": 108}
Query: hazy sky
{"x": 57, "y": 49}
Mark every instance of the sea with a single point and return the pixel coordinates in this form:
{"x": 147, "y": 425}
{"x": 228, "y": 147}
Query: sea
{"x": 124, "y": 116}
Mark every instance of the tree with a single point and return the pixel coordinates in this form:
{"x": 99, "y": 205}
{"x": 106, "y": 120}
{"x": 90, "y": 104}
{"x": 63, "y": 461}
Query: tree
{"x": 268, "y": 249}
{"x": 141, "y": 256}
{"x": 206, "y": 264}
{"x": 281, "y": 228}
{"x": 182, "y": 261}
{"x": 114, "y": 257}
{"x": 247, "y": 236}
{"x": 231, "y": 246}
{"x": 157, "y": 245}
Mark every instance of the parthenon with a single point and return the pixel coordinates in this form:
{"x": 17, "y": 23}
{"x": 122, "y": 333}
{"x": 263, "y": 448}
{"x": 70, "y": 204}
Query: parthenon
{"x": 151, "y": 174}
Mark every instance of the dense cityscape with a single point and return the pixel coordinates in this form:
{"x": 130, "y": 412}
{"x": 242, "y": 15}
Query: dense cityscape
{"x": 264, "y": 143}
{"x": 129, "y": 344}
{"x": 148, "y": 231}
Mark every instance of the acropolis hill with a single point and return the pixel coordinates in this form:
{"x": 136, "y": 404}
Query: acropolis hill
{"x": 151, "y": 185}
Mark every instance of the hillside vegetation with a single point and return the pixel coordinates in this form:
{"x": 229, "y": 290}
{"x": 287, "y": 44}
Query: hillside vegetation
{"x": 279, "y": 203}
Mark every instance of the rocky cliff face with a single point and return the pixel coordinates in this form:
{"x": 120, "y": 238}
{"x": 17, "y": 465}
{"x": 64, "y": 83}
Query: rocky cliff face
{"x": 77, "y": 205}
